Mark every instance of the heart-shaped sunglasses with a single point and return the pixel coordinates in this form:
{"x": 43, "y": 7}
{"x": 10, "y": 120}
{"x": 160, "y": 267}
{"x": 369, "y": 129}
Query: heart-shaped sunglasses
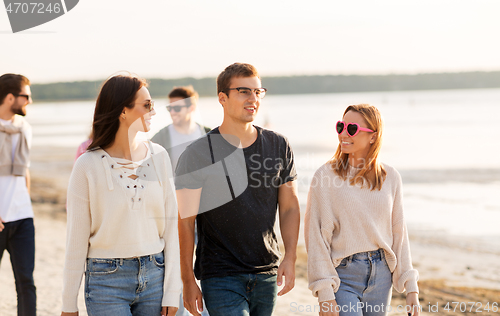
{"x": 352, "y": 128}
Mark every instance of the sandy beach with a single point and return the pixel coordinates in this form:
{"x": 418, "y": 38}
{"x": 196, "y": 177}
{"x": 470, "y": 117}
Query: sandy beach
{"x": 450, "y": 271}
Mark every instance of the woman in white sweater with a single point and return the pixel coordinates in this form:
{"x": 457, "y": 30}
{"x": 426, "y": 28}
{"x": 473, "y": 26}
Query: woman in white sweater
{"x": 355, "y": 232}
{"x": 122, "y": 213}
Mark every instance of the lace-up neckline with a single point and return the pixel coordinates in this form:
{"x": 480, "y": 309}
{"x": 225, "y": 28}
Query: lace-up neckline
{"x": 130, "y": 165}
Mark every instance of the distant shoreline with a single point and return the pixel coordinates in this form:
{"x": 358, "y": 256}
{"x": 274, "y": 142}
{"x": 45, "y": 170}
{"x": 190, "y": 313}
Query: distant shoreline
{"x": 38, "y": 101}
{"x": 312, "y": 84}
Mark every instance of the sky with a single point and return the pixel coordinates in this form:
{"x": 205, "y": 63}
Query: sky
{"x": 171, "y": 39}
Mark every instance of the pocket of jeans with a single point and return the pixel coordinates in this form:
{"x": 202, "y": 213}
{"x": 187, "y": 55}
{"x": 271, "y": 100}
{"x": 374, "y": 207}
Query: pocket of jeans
{"x": 102, "y": 266}
{"x": 159, "y": 260}
{"x": 344, "y": 263}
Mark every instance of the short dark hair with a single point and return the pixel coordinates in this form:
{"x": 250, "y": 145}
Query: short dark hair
{"x": 117, "y": 93}
{"x": 11, "y": 83}
{"x": 234, "y": 71}
{"x": 185, "y": 92}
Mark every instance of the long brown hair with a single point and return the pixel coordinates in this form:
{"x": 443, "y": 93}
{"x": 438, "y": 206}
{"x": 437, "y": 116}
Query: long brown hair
{"x": 117, "y": 93}
{"x": 372, "y": 171}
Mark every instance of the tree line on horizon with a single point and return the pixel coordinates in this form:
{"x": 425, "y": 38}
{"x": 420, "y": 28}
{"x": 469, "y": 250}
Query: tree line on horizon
{"x": 88, "y": 90}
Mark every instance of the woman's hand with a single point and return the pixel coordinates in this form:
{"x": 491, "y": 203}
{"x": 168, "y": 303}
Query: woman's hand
{"x": 69, "y": 314}
{"x": 412, "y": 301}
{"x": 328, "y": 308}
{"x": 193, "y": 298}
{"x": 168, "y": 310}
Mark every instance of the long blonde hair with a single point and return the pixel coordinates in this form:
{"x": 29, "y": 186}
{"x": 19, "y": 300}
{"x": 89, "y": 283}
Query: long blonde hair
{"x": 372, "y": 171}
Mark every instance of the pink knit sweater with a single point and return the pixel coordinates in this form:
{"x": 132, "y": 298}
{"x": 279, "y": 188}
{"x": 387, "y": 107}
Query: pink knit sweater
{"x": 342, "y": 220}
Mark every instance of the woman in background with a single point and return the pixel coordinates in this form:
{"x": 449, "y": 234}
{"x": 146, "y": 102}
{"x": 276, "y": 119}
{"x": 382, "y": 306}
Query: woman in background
{"x": 83, "y": 147}
{"x": 356, "y": 236}
{"x": 122, "y": 213}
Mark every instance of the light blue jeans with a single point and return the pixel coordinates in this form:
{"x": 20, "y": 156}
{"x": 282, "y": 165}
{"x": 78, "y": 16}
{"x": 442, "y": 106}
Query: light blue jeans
{"x": 125, "y": 287}
{"x": 365, "y": 284}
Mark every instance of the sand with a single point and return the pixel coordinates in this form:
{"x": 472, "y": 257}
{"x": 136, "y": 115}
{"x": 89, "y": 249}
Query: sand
{"x": 450, "y": 271}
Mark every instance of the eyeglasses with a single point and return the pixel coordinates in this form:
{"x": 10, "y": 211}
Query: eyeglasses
{"x": 150, "y": 106}
{"x": 352, "y": 128}
{"x": 176, "y": 108}
{"x": 24, "y": 95}
{"x": 246, "y": 92}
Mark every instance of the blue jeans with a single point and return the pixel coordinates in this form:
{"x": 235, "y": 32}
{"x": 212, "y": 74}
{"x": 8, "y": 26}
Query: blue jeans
{"x": 365, "y": 284}
{"x": 120, "y": 287}
{"x": 18, "y": 238}
{"x": 240, "y": 295}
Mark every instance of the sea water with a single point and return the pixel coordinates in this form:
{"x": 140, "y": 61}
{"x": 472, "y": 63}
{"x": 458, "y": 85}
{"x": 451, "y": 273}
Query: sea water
{"x": 445, "y": 143}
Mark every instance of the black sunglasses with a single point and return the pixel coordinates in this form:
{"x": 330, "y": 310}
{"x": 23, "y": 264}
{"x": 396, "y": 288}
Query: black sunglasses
{"x": 176, "y": 108}
{"x": 24, "y": 95}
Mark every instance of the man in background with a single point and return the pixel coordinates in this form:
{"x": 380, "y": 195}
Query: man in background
{"x": 183, "y": 130}
{"x": 178, "y": 135}
{"x": 17, "y": 233}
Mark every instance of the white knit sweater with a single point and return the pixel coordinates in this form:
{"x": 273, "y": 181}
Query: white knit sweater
{"x": 342, "y": 220}
{"x": 112, "y": 216}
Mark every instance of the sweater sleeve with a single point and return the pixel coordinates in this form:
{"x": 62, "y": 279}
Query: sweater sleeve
{"x": 404, "y": 276}
{"x": 323, "y": 278}
{"x": 172, "y": 287}
{"x": 77, "y": 236}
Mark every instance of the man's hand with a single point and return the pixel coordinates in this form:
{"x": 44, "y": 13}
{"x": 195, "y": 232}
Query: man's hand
{"x": 193, "y": 299}
{"x": 1, "y": 224}
{"x": 412, "y": 300}
{"x": 69, "y": 314}
{"x": 328, "y": 308}
{"x": 286, "y": 269}
{"x": 168, "y": 311}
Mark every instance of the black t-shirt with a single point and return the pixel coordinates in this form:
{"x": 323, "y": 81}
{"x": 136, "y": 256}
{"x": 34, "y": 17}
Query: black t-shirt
{"x": 238, "y": 202}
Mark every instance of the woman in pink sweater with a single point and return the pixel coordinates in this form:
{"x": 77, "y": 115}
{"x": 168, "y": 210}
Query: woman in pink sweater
{"x": 356, "y": 236}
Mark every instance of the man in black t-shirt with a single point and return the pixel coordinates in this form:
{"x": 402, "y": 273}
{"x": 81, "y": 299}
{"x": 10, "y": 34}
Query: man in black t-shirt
{"x": 231, "y": 181}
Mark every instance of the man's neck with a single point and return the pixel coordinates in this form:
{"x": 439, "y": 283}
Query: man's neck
{"x": 186, "y": 127}
{"x": 6, "y": 115}
{"x": 245, "y": 132}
